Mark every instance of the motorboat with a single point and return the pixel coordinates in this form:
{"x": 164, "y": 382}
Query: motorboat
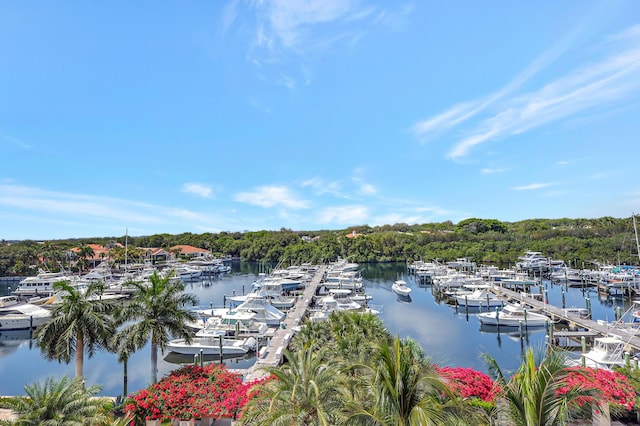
{"x": 264, "y": 311}
{"x": 607, "y": 352}
{"x": 42, "y": 284}
{"x": 400, "y": 288}
{"x": 212, "y": 343}
{"x": 17, "y": 315}
{"x": 513, "y": 315}
{"x": 480, "y": 297}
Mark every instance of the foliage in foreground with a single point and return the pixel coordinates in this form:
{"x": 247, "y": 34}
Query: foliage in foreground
{"x": 191, "y": 392}
{"x": 60, "y": 402}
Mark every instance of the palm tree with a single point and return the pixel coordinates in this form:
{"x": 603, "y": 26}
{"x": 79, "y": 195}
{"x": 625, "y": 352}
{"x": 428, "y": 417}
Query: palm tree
{"x": 405, "y": 389}
{"x": 59, "y": 402}
{"x": 157, "y": 313}
{"x": 531, "y": 394}
{"x": 82, "y": 320}
{"x": 305, "y": 391}
{"x": 84, "y": 253}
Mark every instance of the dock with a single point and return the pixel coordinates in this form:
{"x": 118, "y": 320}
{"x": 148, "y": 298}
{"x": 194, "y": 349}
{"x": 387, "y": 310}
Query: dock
{"x": 589, "y": 327}
{"x": 282, "y": 336}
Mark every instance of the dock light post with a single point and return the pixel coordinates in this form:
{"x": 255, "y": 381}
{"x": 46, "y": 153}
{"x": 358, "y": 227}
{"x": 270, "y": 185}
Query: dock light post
{"x": 220, "y": 344}
{"x": 635, "y": 362}
{"x": 488, "y": 304}
{"x": 466, "y": 305}
{"x": 525, "y": 319}
{"x": 498, "y": 319}
{"x": 563, "y": 299}
{"x": 195, "y": 359}
{"x": 201, "y": 358}
{"x": 627, "y": 359}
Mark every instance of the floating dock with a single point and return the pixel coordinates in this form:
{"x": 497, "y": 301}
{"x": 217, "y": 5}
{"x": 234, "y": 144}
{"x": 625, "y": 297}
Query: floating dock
{"x": 272, "y": 356}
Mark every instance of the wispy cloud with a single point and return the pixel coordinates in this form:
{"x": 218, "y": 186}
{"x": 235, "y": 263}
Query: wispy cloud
{"x": 288, "y": 22}
{"x": 4, "y": 138}
{"x": 321, "y": 187}
{"x": 76, "y": 205}
{"x": 354, "y": 214}
{"x": 272, "y": 196}
{"x": 199, "y": 189}
{"x": 288, "y": 32}
{"x": 531, "y": 187}
{"x": 598, "y": 83}
{"x": 492, "y": 170}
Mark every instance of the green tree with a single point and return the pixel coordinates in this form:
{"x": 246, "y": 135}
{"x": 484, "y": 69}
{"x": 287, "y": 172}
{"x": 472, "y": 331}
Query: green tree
{"x": 306, "y": 390}
{"x": 84, "y": 253}
{"x": 59, "y": 402}
{"x": 81, "y": 321}
{"x": 157, "y": 313}
{"x": 405, "y": 389}
{"x": 531, "y": 394}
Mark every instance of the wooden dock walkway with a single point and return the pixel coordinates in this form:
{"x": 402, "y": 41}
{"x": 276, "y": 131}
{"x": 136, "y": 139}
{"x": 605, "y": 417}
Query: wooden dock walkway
{"x": 283, "y": 335}
{"x": 631, "y": 339}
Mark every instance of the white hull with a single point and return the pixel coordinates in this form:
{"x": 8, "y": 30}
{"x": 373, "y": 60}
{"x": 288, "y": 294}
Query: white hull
{"x": 211, "y": 346}
{"x": 23, "y": 323}
{"x": 513, "y": 316}
{"x": 400, "y": 288}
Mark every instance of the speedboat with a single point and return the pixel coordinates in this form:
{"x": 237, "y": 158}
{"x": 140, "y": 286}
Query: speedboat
{"x": 215, "y": 343}
{"x": 513, "y": 315}
{"x": 16, "y": 315}
{"x": 400, "y": 288}
{"x": 607, "y": 352}
{"x": 480, "y": 297}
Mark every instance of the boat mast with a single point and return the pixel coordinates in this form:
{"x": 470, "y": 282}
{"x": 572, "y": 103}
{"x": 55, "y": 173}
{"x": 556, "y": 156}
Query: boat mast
{"x": 635, "y": 230}
{"x": 126, "y": 245}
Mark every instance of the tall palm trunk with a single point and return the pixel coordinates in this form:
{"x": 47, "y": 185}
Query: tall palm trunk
{"x": 154, "y": 361}
{"x": 79, "y": 355}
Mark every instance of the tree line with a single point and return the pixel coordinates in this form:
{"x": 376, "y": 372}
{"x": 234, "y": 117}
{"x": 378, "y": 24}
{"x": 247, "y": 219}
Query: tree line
{"x": 579, "y": 242}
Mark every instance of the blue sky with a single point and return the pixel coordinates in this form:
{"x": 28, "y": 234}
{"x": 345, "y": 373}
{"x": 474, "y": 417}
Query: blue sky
{"x": 194, "y": 116}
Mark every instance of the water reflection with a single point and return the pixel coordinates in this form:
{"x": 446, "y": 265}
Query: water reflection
{"x": 11, "y": 340}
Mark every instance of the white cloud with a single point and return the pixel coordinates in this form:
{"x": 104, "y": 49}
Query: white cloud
{"x": 368, "y": 189}
{"x": 271, "y": 196}
{"x": 289, "y": 20}
{"x": 344, "y": 215}
{"x": 14, "y": 141}
{"x": 531, "y": 187}
{"x": 597, "y": 84}
{"x": 490, "y": 171}
{"x": 322, "y": 187}
{"x": 199, "y": 189}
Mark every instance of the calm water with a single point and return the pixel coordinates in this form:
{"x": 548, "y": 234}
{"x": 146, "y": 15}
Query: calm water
{"x": 449, "y": 337}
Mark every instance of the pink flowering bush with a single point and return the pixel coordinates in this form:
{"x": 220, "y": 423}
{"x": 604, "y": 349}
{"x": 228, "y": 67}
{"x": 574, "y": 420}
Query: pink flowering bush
{"x": 191, "y": 392}
{"x": 470, "y": 383}
{"x": 612, "y": 387}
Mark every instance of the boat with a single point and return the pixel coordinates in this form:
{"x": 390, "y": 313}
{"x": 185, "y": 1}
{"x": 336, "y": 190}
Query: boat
{"x": 42, "y": 283}
{"x": 213, "y": 344}
{"x": 513, "y": 315}
{"x": 17, "y": 315}
{"x": 607, "y": 352}
{"x": 400, "y": 288}
{"x": 480, "y": 297}
{"x": 264, "y": 311}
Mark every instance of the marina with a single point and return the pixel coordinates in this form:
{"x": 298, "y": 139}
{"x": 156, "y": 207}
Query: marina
{"x": 449, "y": 334}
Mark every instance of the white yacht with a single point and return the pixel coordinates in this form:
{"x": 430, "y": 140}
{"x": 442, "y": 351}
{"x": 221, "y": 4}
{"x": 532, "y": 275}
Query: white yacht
{"x": 16, "y": 315}
{"x": 42, "y": 283}
{"x": 513, "y": 315}
{"x": 400, "y": 287}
